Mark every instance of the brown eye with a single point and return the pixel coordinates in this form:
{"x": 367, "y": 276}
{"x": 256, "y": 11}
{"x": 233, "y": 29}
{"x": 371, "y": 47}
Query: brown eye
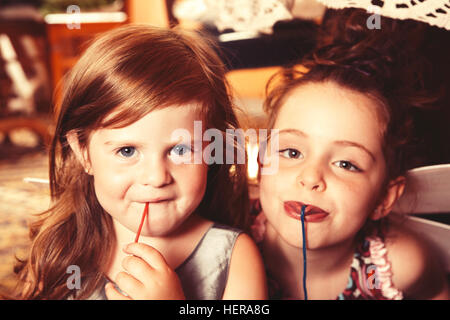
{"x": 347, "y": 165}
{"x": 291, "y": 153}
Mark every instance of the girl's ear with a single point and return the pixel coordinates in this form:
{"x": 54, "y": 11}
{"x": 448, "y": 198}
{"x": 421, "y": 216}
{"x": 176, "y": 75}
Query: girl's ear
{"x": 80, "y": 153}
{"x": 394, "y": 192}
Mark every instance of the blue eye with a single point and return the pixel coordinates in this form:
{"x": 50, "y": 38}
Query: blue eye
{"x": 347, "y": 165}
{"x": 127, "y": 151}
{"x": 180, "y": 150}
{"x": 291, "y": 153}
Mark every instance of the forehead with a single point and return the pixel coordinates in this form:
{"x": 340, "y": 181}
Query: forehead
{"x": 160, "y": 122}
{"x": 126, "y": 115}
{"x": 330, "y": 111}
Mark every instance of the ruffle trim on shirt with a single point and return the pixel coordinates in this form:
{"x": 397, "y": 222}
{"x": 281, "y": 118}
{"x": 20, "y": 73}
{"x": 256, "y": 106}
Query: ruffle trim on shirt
{"x": 378, "y": 254}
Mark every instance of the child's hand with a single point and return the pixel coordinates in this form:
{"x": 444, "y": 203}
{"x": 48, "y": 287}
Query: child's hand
{"x": 147, "y": 276}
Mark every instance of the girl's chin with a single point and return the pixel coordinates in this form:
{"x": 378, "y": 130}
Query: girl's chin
{"x": 160, "y": 228}
{"x": 157, "y": 230}
{"x": 294, "y": 238}
{"x": 130, "y": 229}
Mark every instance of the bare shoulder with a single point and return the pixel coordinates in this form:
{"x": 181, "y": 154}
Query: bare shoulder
{"x": 246, "y": 276}
{"x": 415, "y": 267}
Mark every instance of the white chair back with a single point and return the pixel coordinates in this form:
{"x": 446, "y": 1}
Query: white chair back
{"x": 428, "y": 192}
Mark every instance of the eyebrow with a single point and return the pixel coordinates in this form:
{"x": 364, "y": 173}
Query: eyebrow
{"x": 354, "y": 144}
{"x": 345, "y": 143}
{"x": 293, "y": 131}
{"x": 137, "y": 144}
{"x": 122, "y": 143}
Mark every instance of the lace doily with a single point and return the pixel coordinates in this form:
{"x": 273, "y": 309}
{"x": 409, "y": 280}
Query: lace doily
{"x": 433, "y": 12}
{"x": 239, "y": 15}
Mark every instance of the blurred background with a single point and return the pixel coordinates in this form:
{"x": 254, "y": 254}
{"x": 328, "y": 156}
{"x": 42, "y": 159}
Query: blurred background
{"x": 40, "y": 40}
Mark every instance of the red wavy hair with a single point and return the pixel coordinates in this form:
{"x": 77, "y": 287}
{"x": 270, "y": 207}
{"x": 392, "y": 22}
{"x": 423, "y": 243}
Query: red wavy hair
{"x": 130, "y": 71}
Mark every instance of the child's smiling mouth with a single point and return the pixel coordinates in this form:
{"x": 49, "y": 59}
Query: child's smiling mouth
{"x": 156, "y": 200}
{"x": 159, "y": 200}
{"x": 312, "y": 213}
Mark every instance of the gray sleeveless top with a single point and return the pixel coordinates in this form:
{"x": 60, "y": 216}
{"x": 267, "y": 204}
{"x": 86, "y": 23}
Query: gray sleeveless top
{"x": 204, "y": 273}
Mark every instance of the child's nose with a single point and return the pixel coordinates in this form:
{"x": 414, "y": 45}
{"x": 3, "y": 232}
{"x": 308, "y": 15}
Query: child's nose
{"x": 155, "y": 173}
{"x": 310, "y": 176}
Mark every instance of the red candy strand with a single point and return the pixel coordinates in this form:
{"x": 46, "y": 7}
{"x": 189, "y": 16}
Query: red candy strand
{"x": 142, "y": 222}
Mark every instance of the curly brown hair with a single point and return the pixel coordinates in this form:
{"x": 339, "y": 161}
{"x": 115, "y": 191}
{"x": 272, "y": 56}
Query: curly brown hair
{"x": 375, "y": 63}
{"x": 384, "y": 65}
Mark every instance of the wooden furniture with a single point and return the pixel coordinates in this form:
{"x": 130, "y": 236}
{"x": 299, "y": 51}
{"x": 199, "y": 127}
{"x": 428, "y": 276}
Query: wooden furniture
{"x": 66, "y": 42}
{"x": 67, "y": 36}
{"x": 24, "y": 77}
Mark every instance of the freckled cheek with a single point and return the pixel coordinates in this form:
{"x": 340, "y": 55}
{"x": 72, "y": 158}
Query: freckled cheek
{"x": 267, "y": 197}
{"x": 191, "y": 181}
{"x": 283, "y": 180}
{"x": 269, "y": 183}
{"x": 352, "y": 198}
{"x": 110, "y": 182}
{"x": 274, "y": 188}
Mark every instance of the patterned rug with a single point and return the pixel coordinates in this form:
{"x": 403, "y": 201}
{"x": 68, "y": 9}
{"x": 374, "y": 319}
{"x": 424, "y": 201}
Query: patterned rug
{"x": 19, "y": 201}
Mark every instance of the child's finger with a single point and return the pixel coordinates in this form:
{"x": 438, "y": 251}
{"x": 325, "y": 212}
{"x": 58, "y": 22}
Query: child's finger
{"x": 113, "y": 294}
{"x": 149, "y": 254}
{"x": 129, "y": 284}
{"x": 138, "y": 268}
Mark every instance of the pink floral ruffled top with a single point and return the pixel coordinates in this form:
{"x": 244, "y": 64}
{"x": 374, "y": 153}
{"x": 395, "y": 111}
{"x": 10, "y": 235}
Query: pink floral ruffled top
{"x": 370, "y": 275}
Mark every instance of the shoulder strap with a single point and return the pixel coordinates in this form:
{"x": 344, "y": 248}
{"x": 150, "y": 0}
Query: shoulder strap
{"x": 383, "y": 272}
{"x": 204, "y": 274}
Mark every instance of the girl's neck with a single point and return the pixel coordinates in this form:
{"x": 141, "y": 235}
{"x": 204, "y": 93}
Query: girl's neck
{"x": 285, "y": 262}
{"x": 175, "y": 247}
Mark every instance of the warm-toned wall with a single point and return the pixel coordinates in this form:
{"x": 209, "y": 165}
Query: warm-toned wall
{"x": 251, "y": 83}
{"x": 152, "y": 12}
